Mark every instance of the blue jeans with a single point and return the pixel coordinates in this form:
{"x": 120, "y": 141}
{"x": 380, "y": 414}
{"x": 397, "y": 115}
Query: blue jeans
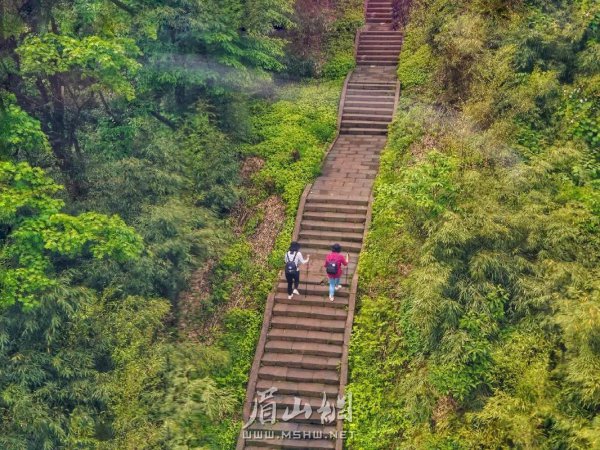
{"x": 333, "y": 282}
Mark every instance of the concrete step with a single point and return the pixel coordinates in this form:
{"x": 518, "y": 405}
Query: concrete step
{"x": 317, "y": 337}
{"x": 315, "y": 300}
{"x": 363, "y": 132}
{"x": 378, "y": 51}
{"x": 379, "y": 93}
{"x": 335, "y": 207}
{"x": 359, "y": 101}
{"x": 314, "y": 289}
{"x": 334, "y": 198}
{"x": 300, "y": 361}
{"x": 326, "y": 225}
{"x": 376, "y": 63}
{"x": 317, "y": 444}
{"x": 380, "y": 96}
{"x": 304, "y": 323}
{"x": 365, "y": 124}
{"x": 371, "y": 86}
{"x": 330, "y": 235}
{"x": 304, "y": 389}
{"x": 308, "y": 311}
{"x": 365, "y": 118}
{"x": 382, "y": 35}
{"x": 304, "y": 348}
{"x": 379, "y": 56}
{"x": 348, "y": 246}
{"x": 298, "y": 375}
{"x": 334, "y": 217}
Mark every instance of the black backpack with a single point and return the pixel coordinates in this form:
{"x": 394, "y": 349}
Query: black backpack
{"x": 332, "y": 268}
{"x": 290, "y": 266}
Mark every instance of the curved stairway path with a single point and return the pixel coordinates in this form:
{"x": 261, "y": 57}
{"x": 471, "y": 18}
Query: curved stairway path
{"x": 303, "y": 348}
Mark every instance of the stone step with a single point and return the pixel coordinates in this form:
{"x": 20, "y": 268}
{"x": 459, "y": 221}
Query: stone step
{"x": 380, "y": 13}
{"x": 335, "y": 207}
{"x": 322, "y": 225}
{"x": 303, "y": 348}
{"x": 365, "y": 124}
{"x": 333, "y": 216}
{"x": 363, "y": 132}
{"x": 300, "y": 361}
{"x": 348, "y": 246}
{"x": 334, "y": 198}
{"x": 377, "y": 55}
{"x": 381, "y": 40}
{"x": 304, "y": 389}
{"x": 314, "y": 418}
{"x": 379, "y": 96}
{"x": 383, "y": 51}
{"x": 317, "y": 337}
{"x": 304, "y": 323}
{"x": 371, "y": 86}
{"x": 316, "y": 300}
{"x": 317, "y": 444}
{"x": 316, "y": 277}
{"x": 391, "y": 90}
{"x": 331, "y": 235}
{"x": 298, "y": 375}
{"x": 381, "y": 43}
{"x": 346, "y": 117}
{"x": 308, "y": 311}
{"x": 307, "y": 288}
{"x": 361, "y": 100}
{"x": 391, "y": 39}
{"x": 383, "y": 36}
{"x": 376, "y": 63}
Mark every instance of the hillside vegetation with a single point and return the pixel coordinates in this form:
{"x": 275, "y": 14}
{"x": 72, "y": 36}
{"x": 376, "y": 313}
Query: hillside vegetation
{"x": 145, "y": 149}
{"x": 479, "y": 322}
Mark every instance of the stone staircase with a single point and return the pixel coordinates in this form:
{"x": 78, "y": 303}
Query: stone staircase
{"x": 302, "y": 355}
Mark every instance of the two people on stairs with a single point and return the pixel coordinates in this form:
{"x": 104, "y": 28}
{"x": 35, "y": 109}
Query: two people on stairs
{"x": 333, "y": 264}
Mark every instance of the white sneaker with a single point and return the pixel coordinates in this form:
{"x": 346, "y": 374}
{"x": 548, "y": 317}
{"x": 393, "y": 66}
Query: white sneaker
{"x": 290, "y": 297}
{"x": 296, "y": 292}
{"x": 331, "y": 297}
{"x": 338, "y": 287}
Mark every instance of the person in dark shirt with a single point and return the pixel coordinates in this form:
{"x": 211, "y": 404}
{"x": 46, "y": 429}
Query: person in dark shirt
{"x": 293, "y": 261}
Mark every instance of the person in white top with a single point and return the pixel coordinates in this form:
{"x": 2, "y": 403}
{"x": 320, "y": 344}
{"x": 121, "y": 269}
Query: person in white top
{"x": 293, "y": 261}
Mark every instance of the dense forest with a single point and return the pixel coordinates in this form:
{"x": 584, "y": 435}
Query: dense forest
{"x": 152, "y": 154}
{"x": 152, "y": 157}
{"x": 479, "y": 322}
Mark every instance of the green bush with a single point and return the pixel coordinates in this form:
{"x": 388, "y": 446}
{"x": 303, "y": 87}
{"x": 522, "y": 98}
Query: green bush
{"x": 479, "y": 292}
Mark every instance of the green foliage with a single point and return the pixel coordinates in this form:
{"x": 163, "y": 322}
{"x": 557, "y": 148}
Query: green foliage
{"x": 39, "y": 233}
{"x": 142, "y": 110}
{"x": 415, "y": 68}
{"x": 339, "y": 47}
{"x": 110, "y": 63}
{"x": 293, "y": 133}
{"x": 478, "y": 320}
{"x": 20, "y": 134}
{"x": 213, "y": 163}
